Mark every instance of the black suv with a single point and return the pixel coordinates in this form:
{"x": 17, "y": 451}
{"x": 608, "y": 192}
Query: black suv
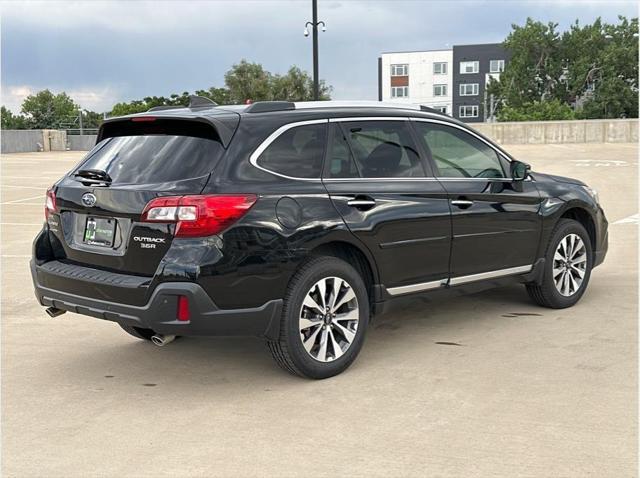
{"x": 297, "y": 222}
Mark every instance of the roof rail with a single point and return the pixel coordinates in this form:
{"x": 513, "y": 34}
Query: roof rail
{"x": 266, "y": 106}
{"x": 201, "y": 102}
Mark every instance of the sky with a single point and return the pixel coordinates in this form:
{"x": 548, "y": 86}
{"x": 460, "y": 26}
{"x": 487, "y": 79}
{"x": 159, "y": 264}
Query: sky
{"x": 104, "y": 52}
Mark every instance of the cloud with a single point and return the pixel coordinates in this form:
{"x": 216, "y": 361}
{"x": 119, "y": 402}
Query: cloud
{"x": 119, "y": 51}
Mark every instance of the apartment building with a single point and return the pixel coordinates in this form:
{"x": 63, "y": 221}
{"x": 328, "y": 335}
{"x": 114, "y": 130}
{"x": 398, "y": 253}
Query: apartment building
{"x": 453, "y": 81}
{"x": 423, "y": 77}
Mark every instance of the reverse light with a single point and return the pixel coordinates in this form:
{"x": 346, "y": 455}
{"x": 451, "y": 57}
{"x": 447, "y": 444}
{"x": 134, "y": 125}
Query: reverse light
{"x": 198, "y": 216}
{"x": 50, "y": 203}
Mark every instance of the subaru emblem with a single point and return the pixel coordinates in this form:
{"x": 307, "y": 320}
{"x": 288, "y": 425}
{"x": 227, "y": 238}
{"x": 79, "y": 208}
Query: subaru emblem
{"x": 88, "y": 199}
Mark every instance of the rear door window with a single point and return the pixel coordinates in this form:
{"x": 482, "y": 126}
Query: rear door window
{"x": 160, "y": 158}
{"x": 298, "y": 152}
{"x": 373, "y": 149}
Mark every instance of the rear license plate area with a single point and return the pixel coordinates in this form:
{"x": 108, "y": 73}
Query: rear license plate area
{"x": 99, "y": 231}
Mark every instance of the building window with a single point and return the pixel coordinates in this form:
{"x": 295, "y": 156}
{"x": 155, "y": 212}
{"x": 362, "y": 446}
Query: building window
{"x": 439, "y": 90}
{"x": 440, "y": 68}
{"x": 399, "y": 70}
{"x": 469, "y": 111}
{"x": 467, "y": 67}
{"x": 469, "y": 89}
{"x": 496, "y": 66}
{"x": 441, "y": 109}
{"x": 399, "y": 91}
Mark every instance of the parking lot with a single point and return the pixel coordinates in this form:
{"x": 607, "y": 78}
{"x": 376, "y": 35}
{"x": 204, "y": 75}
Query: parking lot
{"x": 483, "y": 385}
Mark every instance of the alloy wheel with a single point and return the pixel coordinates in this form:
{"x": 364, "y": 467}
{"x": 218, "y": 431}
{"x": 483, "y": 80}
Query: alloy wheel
{"x": 329, "y": 319}
{"x": 569, "y": 265}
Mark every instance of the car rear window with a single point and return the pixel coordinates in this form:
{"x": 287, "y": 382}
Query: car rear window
{"x": 156, "y": 158}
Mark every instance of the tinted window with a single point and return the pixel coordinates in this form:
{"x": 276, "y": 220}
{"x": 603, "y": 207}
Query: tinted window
{"x": 154, "y": 158}
{"x": 381, "y": 149}
{"x": 458, "y": 154}
{"x": 297, "y": 152}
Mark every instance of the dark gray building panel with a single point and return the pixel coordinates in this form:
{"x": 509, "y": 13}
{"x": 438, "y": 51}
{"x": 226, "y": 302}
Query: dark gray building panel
{"x": 483, "y": 54}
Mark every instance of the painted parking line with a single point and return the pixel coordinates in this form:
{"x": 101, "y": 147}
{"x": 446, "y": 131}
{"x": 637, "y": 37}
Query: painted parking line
{"x": 18, "y": 201}
{"x": 21, "y": 223}
{"x": 14, "y": 256}
{"x": 633, "y": 219}
{"x": 11, "y": 186}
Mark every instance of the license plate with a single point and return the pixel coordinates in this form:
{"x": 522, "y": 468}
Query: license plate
{"x": 99, "y": 231}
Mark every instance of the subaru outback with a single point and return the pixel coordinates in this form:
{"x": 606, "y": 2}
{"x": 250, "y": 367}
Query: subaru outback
{"x": 299, "y": 222}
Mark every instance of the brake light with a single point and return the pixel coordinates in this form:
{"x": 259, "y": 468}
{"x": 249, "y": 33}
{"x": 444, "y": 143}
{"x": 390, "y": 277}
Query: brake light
{"x": 143, "y": 119}
{"x": 50, "y": 203}
{"x": 198, "y": 216}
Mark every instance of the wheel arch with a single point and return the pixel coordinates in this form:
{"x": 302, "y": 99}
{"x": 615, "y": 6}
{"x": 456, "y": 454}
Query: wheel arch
{"x": 356, "y": 256}
{"x": 584, "y": 217}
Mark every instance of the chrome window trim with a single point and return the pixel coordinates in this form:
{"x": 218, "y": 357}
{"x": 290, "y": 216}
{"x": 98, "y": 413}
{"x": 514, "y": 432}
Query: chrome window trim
{"x": 368, "y": 118}
{"x": 253, "y": 159}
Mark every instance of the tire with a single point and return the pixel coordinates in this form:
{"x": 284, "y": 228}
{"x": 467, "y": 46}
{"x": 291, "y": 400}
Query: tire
{"x": 138, "y": 332}
{"x": 554, "y": 291}
{"x": 338, "y": 329}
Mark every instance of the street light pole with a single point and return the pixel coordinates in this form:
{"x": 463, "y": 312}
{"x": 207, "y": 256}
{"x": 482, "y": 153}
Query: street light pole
{"x": 316, "y": 81}
{"x": 314, "y": 25}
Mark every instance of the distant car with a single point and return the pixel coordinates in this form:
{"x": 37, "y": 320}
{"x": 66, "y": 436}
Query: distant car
{"x": 296, "y": 222}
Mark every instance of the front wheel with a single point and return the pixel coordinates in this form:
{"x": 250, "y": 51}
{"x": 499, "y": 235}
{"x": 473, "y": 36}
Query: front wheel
{"x": 324, "y": 319}
{"x": 567, "y": 269}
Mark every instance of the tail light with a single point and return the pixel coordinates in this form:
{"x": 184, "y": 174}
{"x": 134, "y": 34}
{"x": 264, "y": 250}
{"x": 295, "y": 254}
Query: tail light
{"x": 49, "y": 204}
{"x": 198, "y": 216}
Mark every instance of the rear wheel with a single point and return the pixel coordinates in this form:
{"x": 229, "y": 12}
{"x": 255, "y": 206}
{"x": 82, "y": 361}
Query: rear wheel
{"x": 324, "y": 319}
{"x": 138, "y": 332}
{"x": 567, "y": 267}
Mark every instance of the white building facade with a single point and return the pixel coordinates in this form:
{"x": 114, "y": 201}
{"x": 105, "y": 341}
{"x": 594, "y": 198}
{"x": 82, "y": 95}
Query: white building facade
{"x": 421, "y": 77}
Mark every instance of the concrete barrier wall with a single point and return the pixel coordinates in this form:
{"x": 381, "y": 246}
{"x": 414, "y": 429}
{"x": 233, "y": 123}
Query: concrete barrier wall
{"x": 21, "y": 141}
{"x": 83, "y": 142}
{"x": 555, "y": 132}
{"x": 534, "y": 132}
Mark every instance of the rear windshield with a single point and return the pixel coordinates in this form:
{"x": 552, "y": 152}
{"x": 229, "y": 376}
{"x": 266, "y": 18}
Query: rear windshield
{"x": 154, "y": 158}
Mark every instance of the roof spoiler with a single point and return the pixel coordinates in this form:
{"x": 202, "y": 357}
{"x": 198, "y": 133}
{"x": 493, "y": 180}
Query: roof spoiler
{"x": 195, "y": 101}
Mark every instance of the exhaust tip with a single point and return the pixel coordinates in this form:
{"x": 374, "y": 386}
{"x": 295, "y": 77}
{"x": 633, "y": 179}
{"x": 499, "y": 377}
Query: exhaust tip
{"x": 162, "y": 340}
{"x": 54, "y": 312}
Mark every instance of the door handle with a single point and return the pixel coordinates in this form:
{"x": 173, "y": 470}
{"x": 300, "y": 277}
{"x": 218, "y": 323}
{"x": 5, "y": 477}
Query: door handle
{"x": 362, "y": 202}
{"x": 462, "y": 203}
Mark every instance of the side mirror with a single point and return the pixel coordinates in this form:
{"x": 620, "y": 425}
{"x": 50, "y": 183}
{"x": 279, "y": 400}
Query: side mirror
{"x": 520, "y": 170}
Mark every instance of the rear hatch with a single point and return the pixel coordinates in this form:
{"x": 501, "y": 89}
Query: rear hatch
{"x": 100, "y": 202}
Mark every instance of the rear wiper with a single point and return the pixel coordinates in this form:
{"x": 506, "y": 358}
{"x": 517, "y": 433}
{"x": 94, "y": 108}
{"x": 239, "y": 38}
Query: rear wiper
{"x": 94, "y": 175}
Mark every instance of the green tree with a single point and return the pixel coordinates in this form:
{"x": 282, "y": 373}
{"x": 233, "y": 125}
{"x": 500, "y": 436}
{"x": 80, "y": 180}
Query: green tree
{"x": 533, "y": 69}
{"x": 46, "y": 110}
{"x": 297, "y": 85}
{"x": 10, "y": 121}
{"x": 611, "y": 85}
{"x": 248, "y": 81}
{"x": 537, "y": 111}
{"x": 591, "y": 68}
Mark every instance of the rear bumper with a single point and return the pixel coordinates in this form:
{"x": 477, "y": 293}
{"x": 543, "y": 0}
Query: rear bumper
{"x": 160, "y": 311}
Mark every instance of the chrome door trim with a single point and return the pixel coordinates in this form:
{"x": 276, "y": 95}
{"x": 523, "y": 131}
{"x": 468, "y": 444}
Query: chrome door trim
{"x": 408, "y": 289}
{"x": 490, "y": 275}
{"x": 253, "y": 159}
{"x": 424, "y": 286}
